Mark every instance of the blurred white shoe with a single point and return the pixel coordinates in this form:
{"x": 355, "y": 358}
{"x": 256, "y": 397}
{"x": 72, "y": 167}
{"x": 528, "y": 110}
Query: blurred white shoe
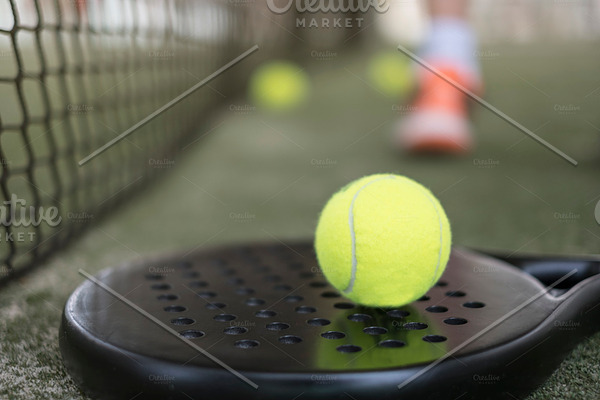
{"x": 439, "y": 120}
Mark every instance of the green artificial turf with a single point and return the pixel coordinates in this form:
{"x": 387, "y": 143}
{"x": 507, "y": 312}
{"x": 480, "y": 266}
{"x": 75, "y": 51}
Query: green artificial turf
{"x": 254, "y": 176}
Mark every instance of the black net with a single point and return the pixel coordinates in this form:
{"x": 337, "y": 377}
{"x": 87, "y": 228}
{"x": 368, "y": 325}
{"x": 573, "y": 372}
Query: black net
{"x": 75, "y": 74}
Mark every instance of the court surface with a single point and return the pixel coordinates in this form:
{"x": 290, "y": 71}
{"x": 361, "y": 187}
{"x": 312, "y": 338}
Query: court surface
{"x": 252, "y": 176}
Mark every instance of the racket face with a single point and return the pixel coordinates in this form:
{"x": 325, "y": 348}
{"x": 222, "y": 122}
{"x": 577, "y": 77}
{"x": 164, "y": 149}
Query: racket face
{"x": 268, "y": 312}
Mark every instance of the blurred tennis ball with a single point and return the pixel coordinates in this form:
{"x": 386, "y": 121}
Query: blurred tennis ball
{"x": 391, "y": 73}
{"x": 279, "y": 86}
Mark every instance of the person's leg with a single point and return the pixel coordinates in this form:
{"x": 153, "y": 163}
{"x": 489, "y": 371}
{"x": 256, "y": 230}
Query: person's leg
{"x": 439, "y": 121}
{"x": 448, "y": 8}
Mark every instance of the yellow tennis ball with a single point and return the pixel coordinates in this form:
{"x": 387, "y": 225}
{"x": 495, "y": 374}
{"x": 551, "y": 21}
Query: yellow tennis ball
{"x": 391, "y": 73}
{"x": 383, "y": 240}
{"x": 279, "y": 86}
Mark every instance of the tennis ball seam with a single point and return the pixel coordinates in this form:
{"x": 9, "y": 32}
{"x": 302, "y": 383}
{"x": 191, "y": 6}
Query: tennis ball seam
{"x": 427, "y": 195}
{"x": 350, "y": 286}
{"x": 437, "y": 213}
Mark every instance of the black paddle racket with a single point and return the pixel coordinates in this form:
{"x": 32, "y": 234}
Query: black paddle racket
{"x": 261, "y": 322}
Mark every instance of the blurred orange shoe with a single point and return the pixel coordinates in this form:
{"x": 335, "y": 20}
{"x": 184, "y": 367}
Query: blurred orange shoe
{"x": 439, "y": 122}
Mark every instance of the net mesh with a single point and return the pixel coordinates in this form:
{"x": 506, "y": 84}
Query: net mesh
{"x": 74, "y": 74}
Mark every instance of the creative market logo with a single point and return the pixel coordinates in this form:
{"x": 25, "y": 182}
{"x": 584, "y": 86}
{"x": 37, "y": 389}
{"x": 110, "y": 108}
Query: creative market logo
{"x": 328, "y": 7}
{"x": 15, "y": 213}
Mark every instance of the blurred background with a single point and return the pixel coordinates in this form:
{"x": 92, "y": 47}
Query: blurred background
{"x": 229, "y": 164}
